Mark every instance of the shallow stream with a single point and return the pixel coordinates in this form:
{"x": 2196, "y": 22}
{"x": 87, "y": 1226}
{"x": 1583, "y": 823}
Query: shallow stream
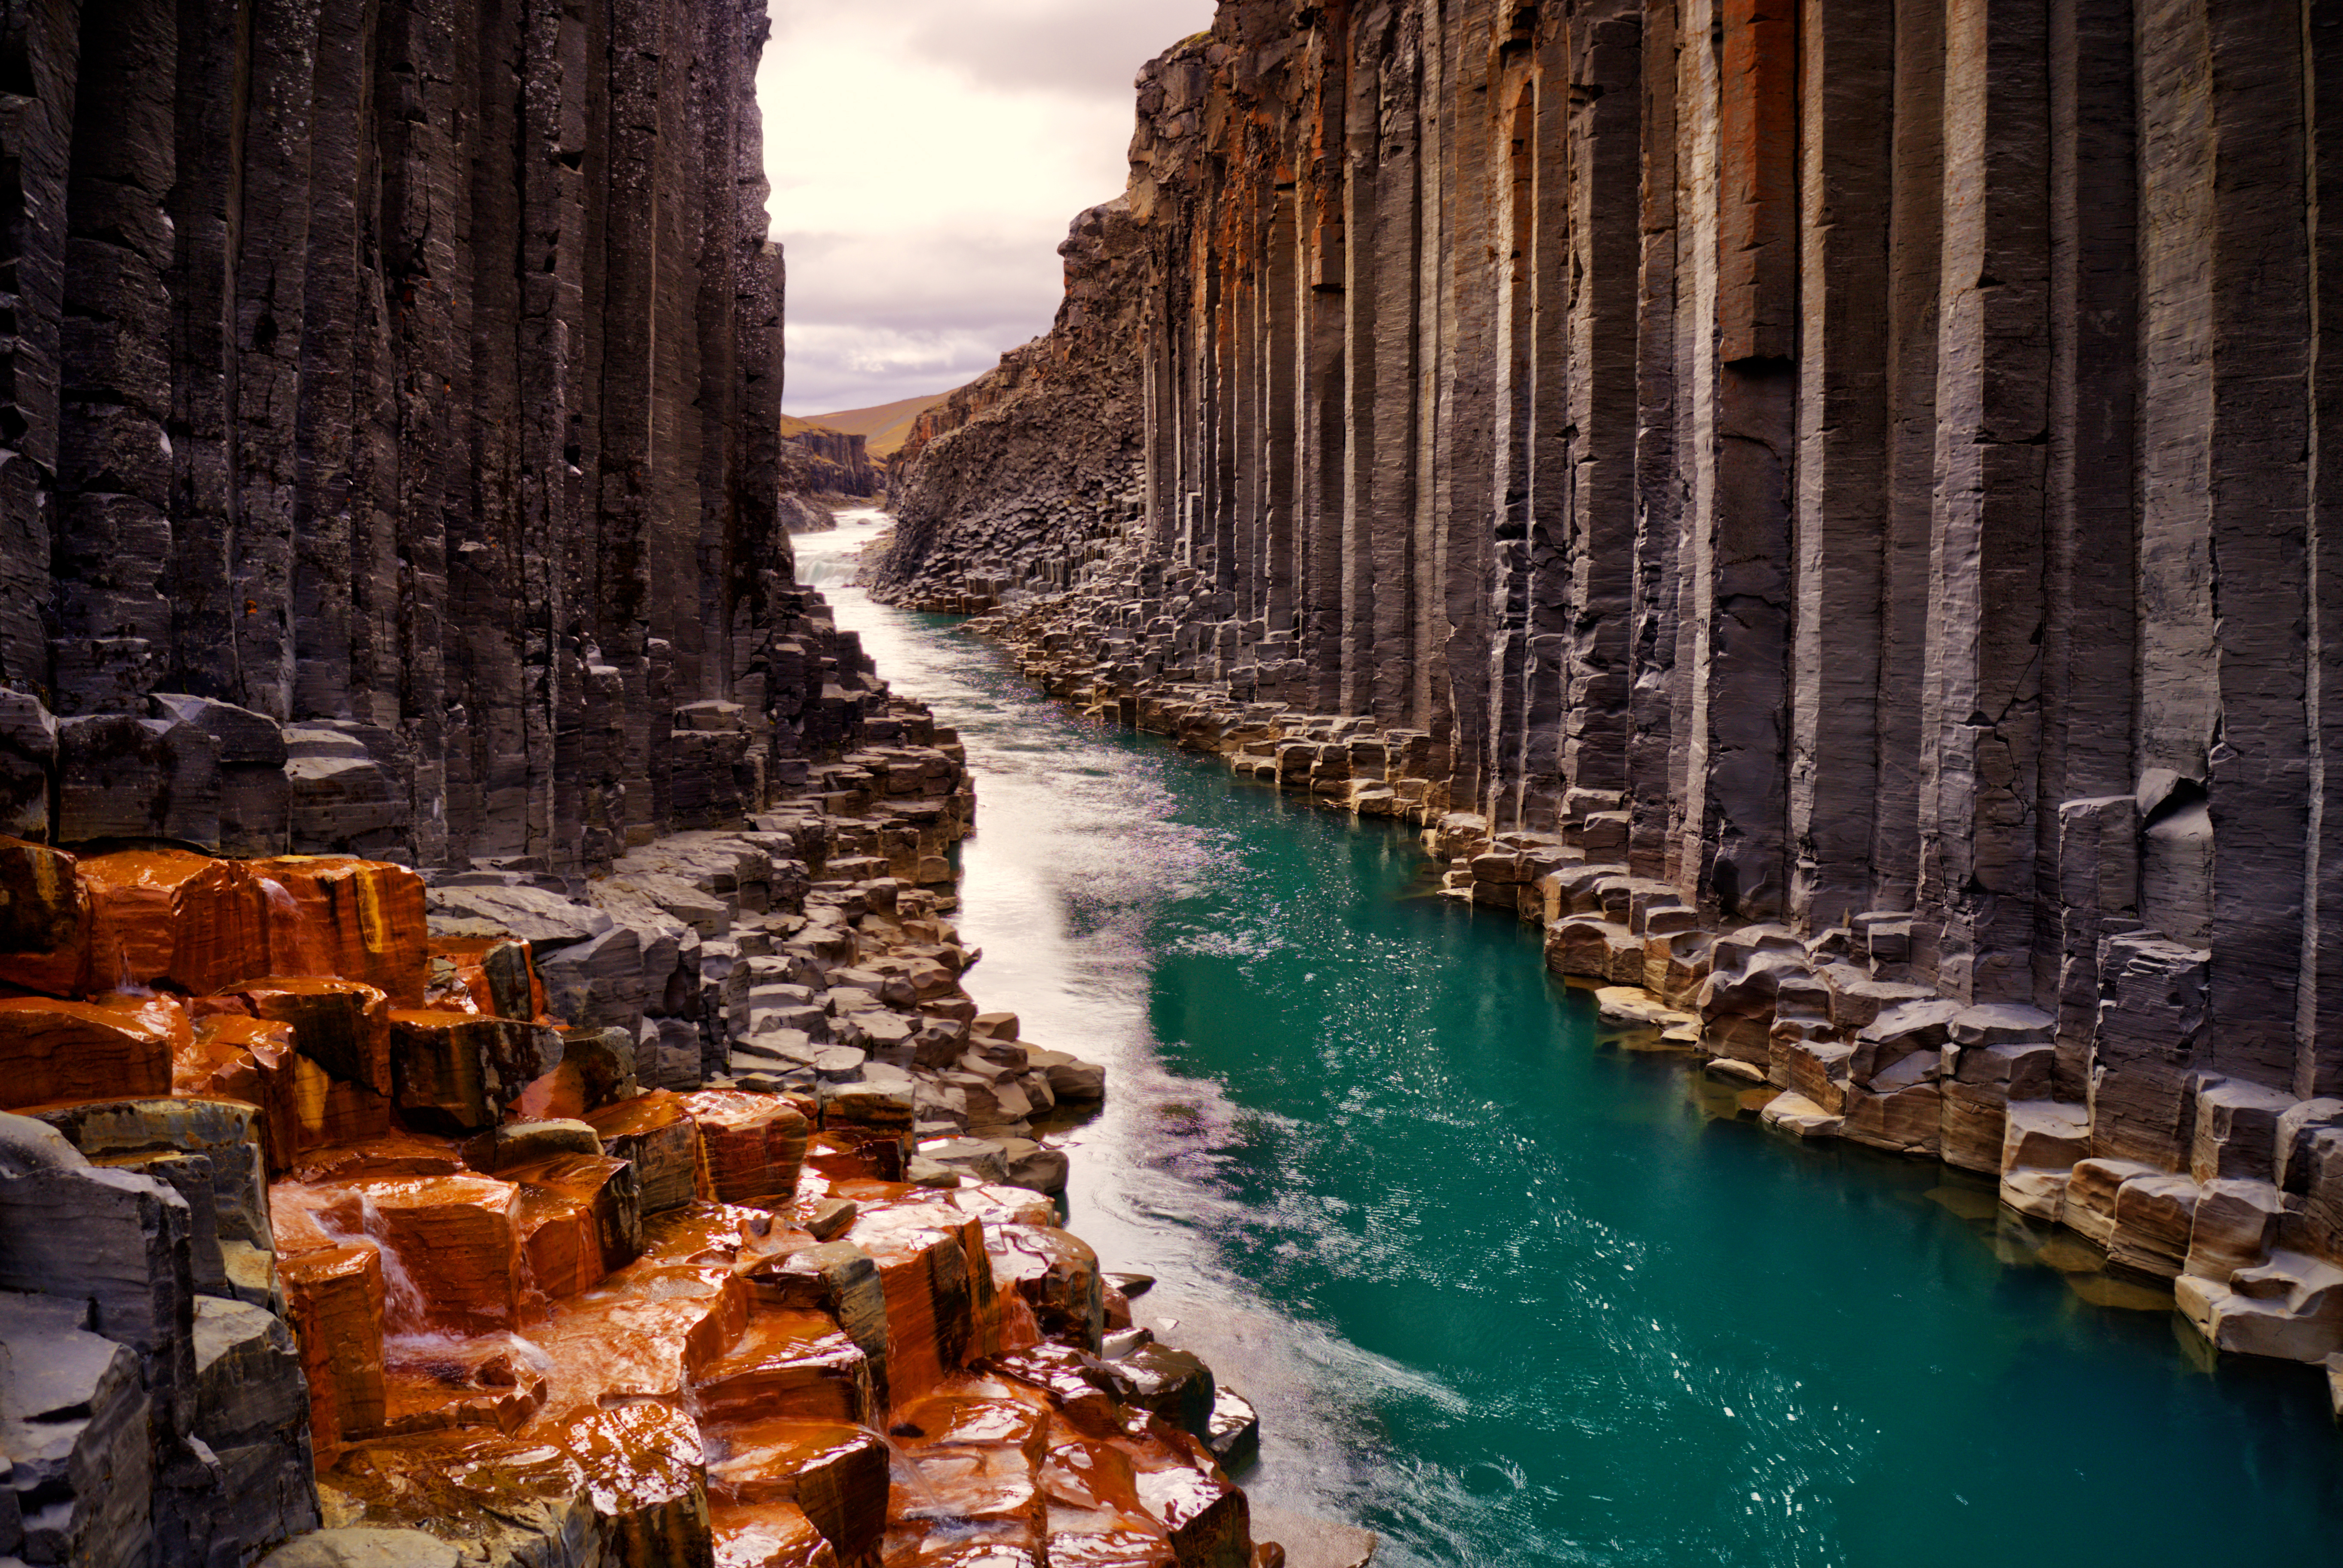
{"x": 1510, "y": 1296}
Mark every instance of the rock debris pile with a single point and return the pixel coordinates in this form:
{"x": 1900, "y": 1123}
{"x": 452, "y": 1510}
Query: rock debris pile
{"x": 1827, "y": 510}
{"x": 698, "y": 1217}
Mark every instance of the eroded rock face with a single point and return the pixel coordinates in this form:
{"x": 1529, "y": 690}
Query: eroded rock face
{"x": 392, "y": 438}
{"x": 1855, "y": 474}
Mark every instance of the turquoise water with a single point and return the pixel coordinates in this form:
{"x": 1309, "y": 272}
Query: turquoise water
{"x": 1508, "y": 1295}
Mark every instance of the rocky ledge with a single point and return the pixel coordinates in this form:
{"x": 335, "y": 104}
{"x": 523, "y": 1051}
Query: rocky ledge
{"x": 694, "y": 1214}
{"x": 2104, "y": 1118}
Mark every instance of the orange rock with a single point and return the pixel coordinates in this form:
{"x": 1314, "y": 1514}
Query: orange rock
{"x": 580, "y": 1218}
{"x": 354, "y": 919}
{"x": 846, "y": 1153}
{"x": 394, "y": 1152}
{"x": 497, "y": 1499}
{"x": 435, "y": 1383}
{"x": 647, "y": 1332}
{"x": 1096, "y": 1518}
{"x": 333, "y": 1300}
{"x": 767, "y": 1535}
{"x": 658, "y": 1137}
{"x": 837, "y": 1472}
{"x": 45, "y": 920}
{"x": 788, "y": 1363}
{"x": 931, "y": 1261}
{"x": 1182, "y": 1489}
{"x": 457, "y": 1239}
{"x": 174, "y": 918}
{"x": 59, "y": 1050}
{"x": 343, "y": 1026}
{"x": 457, "y": 1071}
{"x": 331, "y": 1112}
{"x": 232, "y": 1056}
{"x": 1057, "y": 1273}
{"x": 648, "y": 1480}
{"x": 753, "y": 1144}
{"x": 976, "y": 1451}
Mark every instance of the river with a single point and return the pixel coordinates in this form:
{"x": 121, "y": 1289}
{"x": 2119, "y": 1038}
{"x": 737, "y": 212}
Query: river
{"x": 1507, "y": 1295}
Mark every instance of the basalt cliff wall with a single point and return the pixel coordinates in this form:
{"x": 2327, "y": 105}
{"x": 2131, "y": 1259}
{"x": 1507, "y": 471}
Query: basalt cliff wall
{"x": 1033, "y": 471}
{"x": 1860, "y": 472}
{"x": 389, "y": 403}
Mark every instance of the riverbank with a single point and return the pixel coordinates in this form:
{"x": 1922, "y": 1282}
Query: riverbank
{"x": 1493, "y": 1275}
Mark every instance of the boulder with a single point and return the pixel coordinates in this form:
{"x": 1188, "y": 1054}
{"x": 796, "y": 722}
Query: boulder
{"x": 74, "y": 1423}
{"x": 64, "y": 1050}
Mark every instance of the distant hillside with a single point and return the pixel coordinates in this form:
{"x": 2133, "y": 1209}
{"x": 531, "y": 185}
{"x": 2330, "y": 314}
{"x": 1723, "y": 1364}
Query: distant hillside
{"x": 886, "y": 424}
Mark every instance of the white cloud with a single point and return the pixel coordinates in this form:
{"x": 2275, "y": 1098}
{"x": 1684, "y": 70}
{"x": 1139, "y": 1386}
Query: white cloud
{"x": 926, "y": 158}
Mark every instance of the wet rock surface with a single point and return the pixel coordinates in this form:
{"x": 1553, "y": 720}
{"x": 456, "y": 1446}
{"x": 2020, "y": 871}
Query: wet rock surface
{"x": 455, "y": 1278}
{"x": 1723, "y": 578}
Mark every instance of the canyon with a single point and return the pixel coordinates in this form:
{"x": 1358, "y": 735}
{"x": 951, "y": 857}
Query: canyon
{"x": 1823, "y": 510}
{"x": 1813, "y": 521}
{"x": 485, "y": 1071}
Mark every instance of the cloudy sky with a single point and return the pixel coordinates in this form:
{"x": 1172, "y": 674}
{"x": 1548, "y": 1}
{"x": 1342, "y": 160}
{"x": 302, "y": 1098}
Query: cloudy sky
{"x": 926, "y": 158}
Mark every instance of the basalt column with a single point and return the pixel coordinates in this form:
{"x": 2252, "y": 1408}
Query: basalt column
{"x": 390, "y": 434}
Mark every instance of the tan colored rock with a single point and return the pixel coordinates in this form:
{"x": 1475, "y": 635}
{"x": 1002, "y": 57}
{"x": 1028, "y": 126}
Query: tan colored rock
{"x": 2235, "y": 1227}
{"x": 2154, "y": 1216}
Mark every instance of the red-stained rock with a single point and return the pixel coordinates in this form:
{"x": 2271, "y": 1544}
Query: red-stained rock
{"x": 352, "y": 919}
{"x": 1096, "y": 1519}
{"x": 580, "y": 1218}
{"x": 646, "y": 1332}
{"x": 836, "y": 1474}
{"x": 754, "y": 1144}
{"x": 45, "y": 920}
{"x": 767, "y": 1535}
{"x": 234, "y": 1057}
{"x": 333, "y": 1300}
{"x": 655, "y": 1133}
{"x": 648, "y": 1480}
{"x": 457, "y": 1239}
{"x": 940, "y": 1292}
{"x": 791, "y": 1363}
{"x": 343, "y": 1026}
{"x": 500, "y": 1500}
{"x": 435, "y": 1383}
{"x": 457, "y": 1071}
{"x": 1057, "y": 1273}
{"x": 171, "y": 916}
{"x": 61, "y": 1050}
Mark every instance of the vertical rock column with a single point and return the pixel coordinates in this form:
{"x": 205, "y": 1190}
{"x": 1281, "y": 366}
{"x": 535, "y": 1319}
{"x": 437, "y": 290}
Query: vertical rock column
{"x": 36, "y": 140}
{"x": 111, "y": 512}
{"x": 2319, "y": 1068}
{"x": 1981, "y": 706}
{"x": 2089, "y": 508}
{"x": 1743, "y": 455}
{"x": 1594, "y": 431}
{"x": 1846, "y": 71}
{"x": 1659, "y": 497}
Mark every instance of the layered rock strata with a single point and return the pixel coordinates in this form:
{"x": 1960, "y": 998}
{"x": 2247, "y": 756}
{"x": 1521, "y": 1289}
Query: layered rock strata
{"x": 697, "y": 1220}
{"x": 391, "y": 431}
{"x": 1843, "y": 487}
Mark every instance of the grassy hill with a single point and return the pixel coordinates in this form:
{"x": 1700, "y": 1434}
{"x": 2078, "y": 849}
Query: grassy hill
{"x": 885, "y": 424}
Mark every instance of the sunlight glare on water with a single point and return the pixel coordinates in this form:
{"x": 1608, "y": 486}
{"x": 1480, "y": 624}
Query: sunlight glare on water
{"x": 1507, "y": 1296}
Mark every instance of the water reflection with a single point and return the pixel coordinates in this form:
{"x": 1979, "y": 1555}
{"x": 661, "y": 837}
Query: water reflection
{"x": 1511, "y": 1298}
